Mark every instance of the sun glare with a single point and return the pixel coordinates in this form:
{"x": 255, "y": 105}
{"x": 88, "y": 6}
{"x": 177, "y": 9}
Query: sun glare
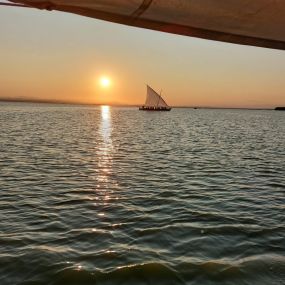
{"x": 105, "y": 112}
{"x": 105, "y": 82}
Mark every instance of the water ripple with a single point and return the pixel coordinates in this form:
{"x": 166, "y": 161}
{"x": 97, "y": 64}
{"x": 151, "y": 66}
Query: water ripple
{"x": 95, "y": 195}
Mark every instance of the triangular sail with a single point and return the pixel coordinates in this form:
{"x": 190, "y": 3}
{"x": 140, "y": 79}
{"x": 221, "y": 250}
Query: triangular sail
{"x": 162, "y": 103}
{"x": 153, "y": 99}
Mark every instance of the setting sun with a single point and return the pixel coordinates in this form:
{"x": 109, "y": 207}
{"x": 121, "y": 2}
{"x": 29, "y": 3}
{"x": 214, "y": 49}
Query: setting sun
{"x": 105, "y": 81}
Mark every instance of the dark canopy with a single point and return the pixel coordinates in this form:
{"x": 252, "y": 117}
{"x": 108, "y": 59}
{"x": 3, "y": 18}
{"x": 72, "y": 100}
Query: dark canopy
{"x": 249, "y": 22}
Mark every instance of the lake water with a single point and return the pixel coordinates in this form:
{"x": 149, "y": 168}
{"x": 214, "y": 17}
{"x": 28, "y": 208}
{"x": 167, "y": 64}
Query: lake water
{"x": 101, "y": 195}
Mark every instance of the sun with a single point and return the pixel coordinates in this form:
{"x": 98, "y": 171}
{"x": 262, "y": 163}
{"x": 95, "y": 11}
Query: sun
{"x": 105, "y": 81}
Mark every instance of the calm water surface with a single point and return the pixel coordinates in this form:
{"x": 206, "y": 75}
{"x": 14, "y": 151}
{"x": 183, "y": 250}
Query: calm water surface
{"x": 99, "y": 195}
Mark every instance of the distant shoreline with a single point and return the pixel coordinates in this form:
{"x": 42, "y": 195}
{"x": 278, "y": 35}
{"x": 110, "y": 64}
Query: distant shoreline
{"x": 58, "y": 102}
{"x": 280, "y": 109}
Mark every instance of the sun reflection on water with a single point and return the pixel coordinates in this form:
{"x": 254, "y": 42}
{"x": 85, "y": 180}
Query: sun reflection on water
{"x": 105, "y": 112}
{"x": 104, "y": 160}
{"x": 106, "y": 127}
{"x": 105, "y": 147}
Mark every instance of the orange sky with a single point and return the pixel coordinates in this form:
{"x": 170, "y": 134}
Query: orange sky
{"x": 57, "y": 56}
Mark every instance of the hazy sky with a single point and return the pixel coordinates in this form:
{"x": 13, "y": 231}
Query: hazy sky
{"x": 60, "y": 56}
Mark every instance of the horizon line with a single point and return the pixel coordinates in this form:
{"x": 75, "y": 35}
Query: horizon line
{"x": 62, "y": 102}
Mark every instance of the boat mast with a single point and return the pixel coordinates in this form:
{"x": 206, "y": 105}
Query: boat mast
{"x": 159, "y": 98}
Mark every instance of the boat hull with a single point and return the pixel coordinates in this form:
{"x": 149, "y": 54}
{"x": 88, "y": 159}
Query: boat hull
{"x": 154, "y": 109}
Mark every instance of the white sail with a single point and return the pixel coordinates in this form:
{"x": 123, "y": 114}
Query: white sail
{"x": 162, "y": 103}
{"x": 153, "y": 99}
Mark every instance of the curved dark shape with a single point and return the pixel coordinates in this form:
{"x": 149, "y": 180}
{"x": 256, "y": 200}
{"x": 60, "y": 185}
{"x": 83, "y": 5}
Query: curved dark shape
{"x": 256, "y": 22}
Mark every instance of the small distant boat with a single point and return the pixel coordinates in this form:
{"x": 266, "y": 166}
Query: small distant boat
{"x": 154, "y": 102}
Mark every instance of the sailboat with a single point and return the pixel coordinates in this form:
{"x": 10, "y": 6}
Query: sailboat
{"x": 154, "y": 102}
